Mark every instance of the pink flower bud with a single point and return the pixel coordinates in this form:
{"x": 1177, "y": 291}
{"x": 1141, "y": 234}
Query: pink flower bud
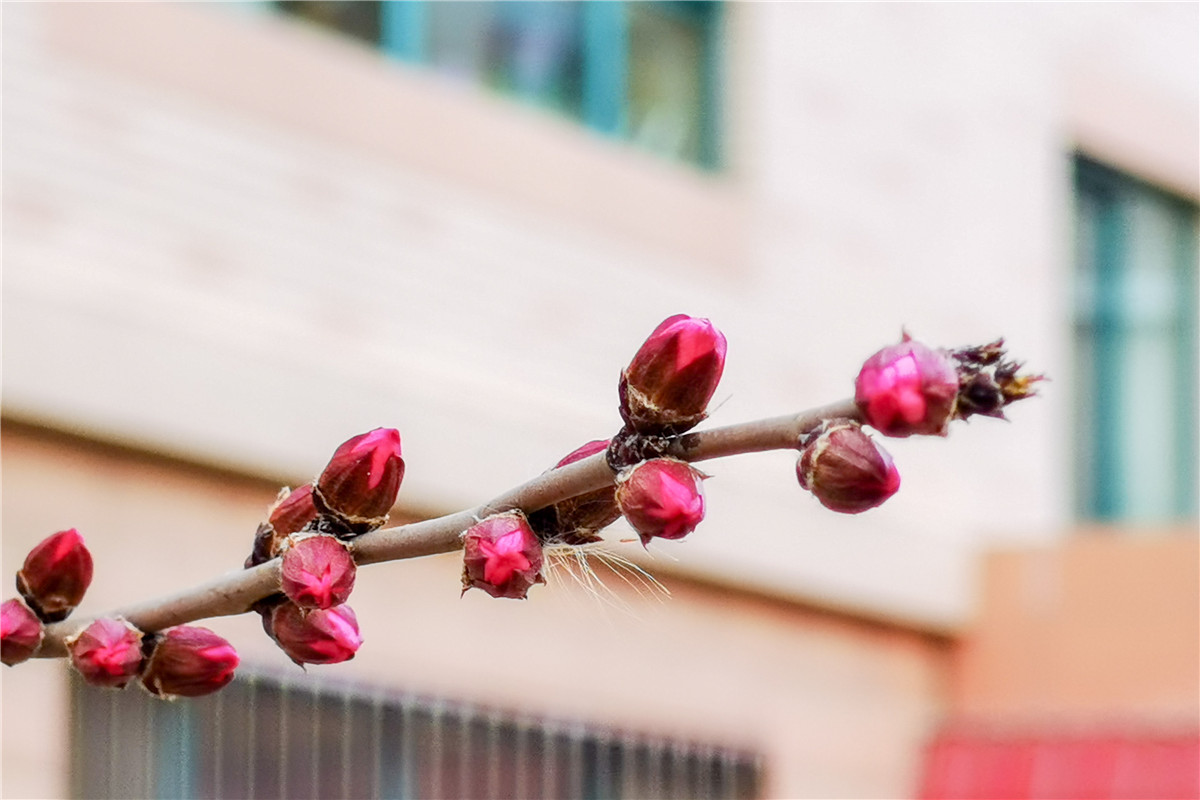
{"x": 107, "y": 653}
{"x": 907, "y": 389}
{"x": 578, "y": 520}
{"x": 845, "y": 469}
{"x": 661, "y": 497}
{"x": 56, "y": 575}
{"x": 502, "y": 555}
{"x": 20, "y": 632}
{"x": 293, "y": 512}
{"x": 361, "y": 480}
{"x": 322, "y": 636}
{"x": 667, "y": 386}
{"x": 189, "y": 661}
{"x": 318, "y": 572}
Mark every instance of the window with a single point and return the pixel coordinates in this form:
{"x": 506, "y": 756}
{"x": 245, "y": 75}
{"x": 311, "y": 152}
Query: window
{"x": 262, "y": 737}
{"x": 1135, "y": 349}
{"x": 642, "y": 71}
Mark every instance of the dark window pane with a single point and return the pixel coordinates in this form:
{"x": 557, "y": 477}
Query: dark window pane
{"x": 357, "y": 18}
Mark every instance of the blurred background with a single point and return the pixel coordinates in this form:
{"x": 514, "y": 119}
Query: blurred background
{"x": 237, "y": 234}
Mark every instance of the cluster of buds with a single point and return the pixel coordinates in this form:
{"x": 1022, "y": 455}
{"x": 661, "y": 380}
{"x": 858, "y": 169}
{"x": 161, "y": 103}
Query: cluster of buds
{"x": 308, "y": 528}
{"x": 502, "y": 556}
{"x": 181, "y": 661}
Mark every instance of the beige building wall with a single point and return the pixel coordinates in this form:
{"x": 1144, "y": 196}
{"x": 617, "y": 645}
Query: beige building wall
{"x": 236, "y": 238}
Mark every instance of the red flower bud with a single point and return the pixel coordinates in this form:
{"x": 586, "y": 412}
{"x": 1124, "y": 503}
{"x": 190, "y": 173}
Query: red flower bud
{"x": 361, "y": 480}
{"x": 107, "y": 653}
{"x": 667, "y": 386}
{"x": 502, "y": 555}
{"x": 323, "y": 636}
{"x": 56, "y": 575}
{"x": 295, "y": 510}
{"x": 20, "y": 632}
{"x": 661, "y": 497}
{"x": 845, "y": 469}
{"x": 318, "y": 572}
{"x": 907, "y": 389}
{"x": 189, "y": 661}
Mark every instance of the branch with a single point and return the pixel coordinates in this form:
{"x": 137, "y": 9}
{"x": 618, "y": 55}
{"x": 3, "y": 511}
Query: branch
{"x": 233, "y": 594}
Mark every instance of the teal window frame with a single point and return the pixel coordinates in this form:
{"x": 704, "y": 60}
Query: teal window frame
{"x": 404, "y": 29}
{"x": 1104, "y": 329}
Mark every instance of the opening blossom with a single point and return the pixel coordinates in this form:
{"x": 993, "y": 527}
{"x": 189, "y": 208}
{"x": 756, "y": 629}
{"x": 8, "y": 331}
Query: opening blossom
{"x": 908, "y": 389}
{"x": 107, "y": 653}
{"x": 20, "y": 632}
{"x": 502, "y": 556}
{"x": 318, "y": 572}
{"x": 661, "y": 498}
{"x": 845, "y": 469}
{"x": 55, "y": 576}
{"x": 322, "y": 636}
{"x": 189, "y": 661}
{"x": 362, "y": 479}
{"x": 667, "y": 385}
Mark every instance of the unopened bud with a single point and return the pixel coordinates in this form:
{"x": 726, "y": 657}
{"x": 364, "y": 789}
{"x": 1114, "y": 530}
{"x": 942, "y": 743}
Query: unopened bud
{"x": 667, "y": 386}
{"x": 845, "y": 469}
{"x": 20, "y": 632}
{"x": 293, "y": 511}
{"x": 907, "y": 389}
{"x": 318, "y": 572}
{"x": 502, "y": 556}
{"x": 189, "y": 661}
{"x": 360, "y": 483}
{"x": 661, "y": 498}
{"x": 321, "y": 636}
{"x": 56, "y": 575}
{"x": 107, "y": 653}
